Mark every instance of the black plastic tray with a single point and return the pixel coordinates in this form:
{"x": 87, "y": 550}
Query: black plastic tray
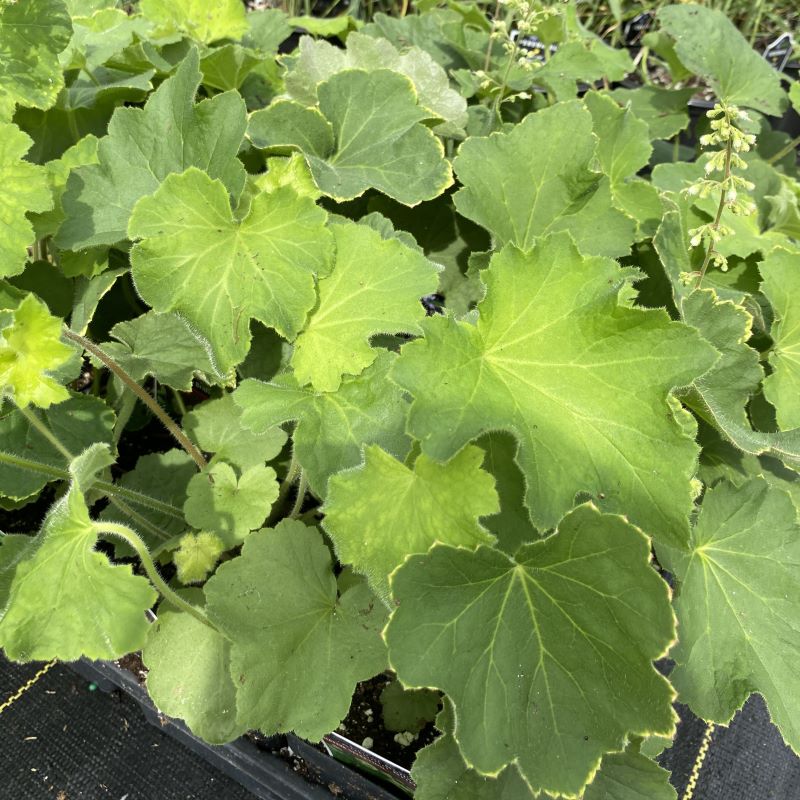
{"x": 252, "y": 762}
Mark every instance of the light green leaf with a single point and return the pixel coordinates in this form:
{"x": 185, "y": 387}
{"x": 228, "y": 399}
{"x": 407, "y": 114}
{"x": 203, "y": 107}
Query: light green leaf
{"x": 367, "y": 133}
{"x": 32, "y": 34}
{"x": 144, "y": 146}
{"x": 217, "y": 428}
{"x": 630, "y": 776}
{"x": 13, "y": 549}
{"x": 298, "y": 646}
{"x": 231, "y": 507}
{"x": 711, "y": 46}
{"x": 86, "y": 468}
{"x": 530, "y": 649}
{"x": 267, "y": 29}
{"x": 581, "y": 381}
{"x": 374, "y": 287}
{"x": 534, "y": 180}
{"x": 156, "y": 489}
{"x": 383, "y": 511}
{"x": 318, "y": 60}
{"x": 98, "y": 34}
{"x": 164, "y": 346}
{"x": 195, "y": 258}
{"x": 223, "y": 19}
{"x": 31, "y": 349}
{"x": 68, "y": 601}
{"x": 25, "y": 189}
{"x": 664, "y": 110}
{"x": 188, "y": 673}
{"x": 293, "y": 172}
{"x": 327, "y": 27}
{"x": 721, "y": 395}
{"x": 781, "y": 285}
{"x": 197, "y": 556}
{"x": 332, "y": 427}
{"x": 408, "y": 709}
{"x": 226, "y": 67}
{"x": 89, "y": 291}
{"x": 738, "y": 610}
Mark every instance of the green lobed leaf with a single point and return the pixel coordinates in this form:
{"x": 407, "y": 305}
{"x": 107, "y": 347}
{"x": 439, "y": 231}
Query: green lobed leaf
{"x": 223, "y": 19}
{"x": 188, "y": 673}
{"x": 26, "y": 190}
{"x": 225, "y": 68}
{"x": 230, "y": 506}
{"x": 31, "y": 349}
{"x": 299, "y": 646}
{"x": 164, "y": 346}
{"x": 195, "y": 258}
{"x": 781, "y": 286}
{"x": 367, "y": 132}
{"x": 197, "y": 556}
{"x": 530, "y": 649}
{"x": 580, "y": 380}
{"x": 630, "y": 776}
{"x": 68, "y": 601}
{"x": 332, "y": 427}
{"x": 416, "y": 508}
{"x": 534, "y": 180}
{"x": 32, "y": 34}
{"x": 318, "y": 60}
{"x": 13, "y": 549}
{"x": 710, "y": 45}
{"x": 99, "y": 34}
{"x": 738, "y": 609}
{"x": 143, "y": 147}
{"x": 216, "y": 426}
{"x": 374, "y": 287}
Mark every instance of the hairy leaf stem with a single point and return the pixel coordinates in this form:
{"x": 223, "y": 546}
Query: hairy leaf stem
{"x": 302, "y": 487}
{"x": 176, "y": 431}
{"x": 784, "y": 151}
{"x": 132, "y": 538}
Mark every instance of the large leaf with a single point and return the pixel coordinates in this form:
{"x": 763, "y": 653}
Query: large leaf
{"x": 418, "y": 507}
{"x": 710, "y": 45}
{"x": 580, "y": 380}
{"x": 781, "y": 285}
{"x": 332, "y": 427}
{"x": 738, "y": 607}
{"x": 664, "y": 110}
{"x": 630, "y": 776}
{"x": 143, "y": 146}
{"x": 188, "y": 673}
{"x": 164, "y": 346}
{"x": 531, "y": 649}
{"x": 13, "y": 549}
{"x": 223, "y": 19}
{"x": 217, "y": 428}
{"x": 218, "y": 272}
{"x": 32, "y": 34}
{"x": 318, "y": 60}
{"x": 534, "y": 180}
{"x": 374, "y": 287}
{"x": 68, "y": 601}
{"x": 299, "y": 646}
{"x": 31, "y": 349}
{"x": 366, "y": 133}
{"x": 25, "y": 189}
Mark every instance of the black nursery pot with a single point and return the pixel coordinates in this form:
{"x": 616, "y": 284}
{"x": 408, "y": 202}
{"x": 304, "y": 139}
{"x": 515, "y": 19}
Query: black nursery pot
{"x": 255, "y": 761}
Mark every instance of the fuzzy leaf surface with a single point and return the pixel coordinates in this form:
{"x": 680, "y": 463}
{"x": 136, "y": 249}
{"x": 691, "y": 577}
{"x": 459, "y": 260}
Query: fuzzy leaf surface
{"x": 299, "y": 647}
{"x": 418, "y": 507}
{"x": 231, "y": 506}
{"x": 68, "y": 601}
{"x": 664, "y": 110}
{"x": 217, "y": 428}
{"x": 534, "y": 180}
{"x": 374, "y": 287}
{"x": 738, "y": 608}
{"x": 25, "y": 189}
{"x": 30, "y": 349}
{"x": 32, "y": 34}
{"x": 189, "y": 673}
{"x": 195, "y": 258}
{"x": 711, "y": 46}
{"x": 13, "y": 549}
{"x": 529, "y": 649}
{"x": 143, "y": 146}
{"x": 579, "y": 379}
{"x": 332, "y": 427}
{"x": 366, "y": 133}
